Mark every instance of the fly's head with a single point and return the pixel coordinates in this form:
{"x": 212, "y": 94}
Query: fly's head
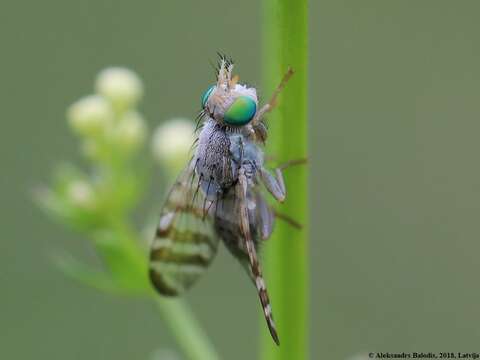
{"x": 228, "y": 102}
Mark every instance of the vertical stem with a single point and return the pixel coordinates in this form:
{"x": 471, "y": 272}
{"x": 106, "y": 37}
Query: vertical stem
{"x": 185, "y": 328}
{"x": 175, "y": 312}
{"x": 285, "y": 44}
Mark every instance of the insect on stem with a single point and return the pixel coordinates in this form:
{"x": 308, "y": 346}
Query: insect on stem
{"x": 227, "y": 167}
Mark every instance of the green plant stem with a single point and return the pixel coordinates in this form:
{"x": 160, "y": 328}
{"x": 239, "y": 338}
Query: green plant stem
{"x": 175, "y": 312}
{"x": 285, "y": 44}
{"x": 187, "y": 332}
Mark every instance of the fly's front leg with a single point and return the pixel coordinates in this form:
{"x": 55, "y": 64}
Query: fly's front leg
{"x": 273, "y": 100}
{"x": 274, "y": 184}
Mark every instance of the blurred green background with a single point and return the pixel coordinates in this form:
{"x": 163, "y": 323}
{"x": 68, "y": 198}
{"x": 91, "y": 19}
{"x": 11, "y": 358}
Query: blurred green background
{"x": 394, "y": 119}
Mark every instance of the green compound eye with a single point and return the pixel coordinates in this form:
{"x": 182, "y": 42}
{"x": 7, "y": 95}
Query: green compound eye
{"x": 206, "y": 95}
{"x": 241, "y": 111}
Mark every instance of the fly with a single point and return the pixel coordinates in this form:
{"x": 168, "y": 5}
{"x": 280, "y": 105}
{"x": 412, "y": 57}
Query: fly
{"x": 218, "y": 196}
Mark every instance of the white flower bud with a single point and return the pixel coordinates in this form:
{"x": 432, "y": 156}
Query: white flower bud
{"x": 121, "y": 86}
{"x": 172, "y": 142}
{"x": 81, "y": 194}
{"x": 90, "y": 116}
{"x": 130, "y": 132}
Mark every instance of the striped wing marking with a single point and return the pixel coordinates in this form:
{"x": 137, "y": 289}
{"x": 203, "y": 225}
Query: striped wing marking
{"x": 185, "y": 243}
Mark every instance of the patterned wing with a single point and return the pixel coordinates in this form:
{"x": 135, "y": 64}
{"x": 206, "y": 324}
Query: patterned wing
{"x": 185, "y": 243}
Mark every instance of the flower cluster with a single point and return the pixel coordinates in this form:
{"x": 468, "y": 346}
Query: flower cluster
{"x": 108, "y": 120}
{"x": 99, "y": 202}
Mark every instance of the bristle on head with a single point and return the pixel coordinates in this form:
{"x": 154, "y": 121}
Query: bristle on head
{"x": 224, "y": 70}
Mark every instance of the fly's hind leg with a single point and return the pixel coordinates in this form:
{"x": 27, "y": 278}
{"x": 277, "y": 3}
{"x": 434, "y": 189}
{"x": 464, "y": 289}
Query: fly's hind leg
{"x": 255, "y": 269}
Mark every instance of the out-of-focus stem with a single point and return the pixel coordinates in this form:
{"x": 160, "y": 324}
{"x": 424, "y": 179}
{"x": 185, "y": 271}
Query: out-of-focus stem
{"x": 179, "y": 318}
{"x": 175, "y": 312}
{"x": 187, "y": 331}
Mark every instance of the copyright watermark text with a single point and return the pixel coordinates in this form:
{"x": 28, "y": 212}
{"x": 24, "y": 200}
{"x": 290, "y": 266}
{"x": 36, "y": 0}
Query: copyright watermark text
{"x": 424, "y": 355}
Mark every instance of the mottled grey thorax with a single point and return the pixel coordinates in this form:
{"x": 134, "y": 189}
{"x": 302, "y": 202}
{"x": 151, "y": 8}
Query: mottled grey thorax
{"x": 219, "y": 155}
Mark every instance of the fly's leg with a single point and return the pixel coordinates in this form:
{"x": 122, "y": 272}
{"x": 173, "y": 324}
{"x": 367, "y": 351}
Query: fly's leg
{"x": 256, "y": 271}
{"x": 290, "y": 221}
{"x": 285, "y": 165}
{"x": 269, "y": 158}
{"x": 273, "y": 100}
{"x": 274, "y": 184}
{"x": 267, "y": 218}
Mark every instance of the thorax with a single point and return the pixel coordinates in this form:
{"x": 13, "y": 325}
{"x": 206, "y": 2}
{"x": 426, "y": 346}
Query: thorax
{"x": 219, "y": 155}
